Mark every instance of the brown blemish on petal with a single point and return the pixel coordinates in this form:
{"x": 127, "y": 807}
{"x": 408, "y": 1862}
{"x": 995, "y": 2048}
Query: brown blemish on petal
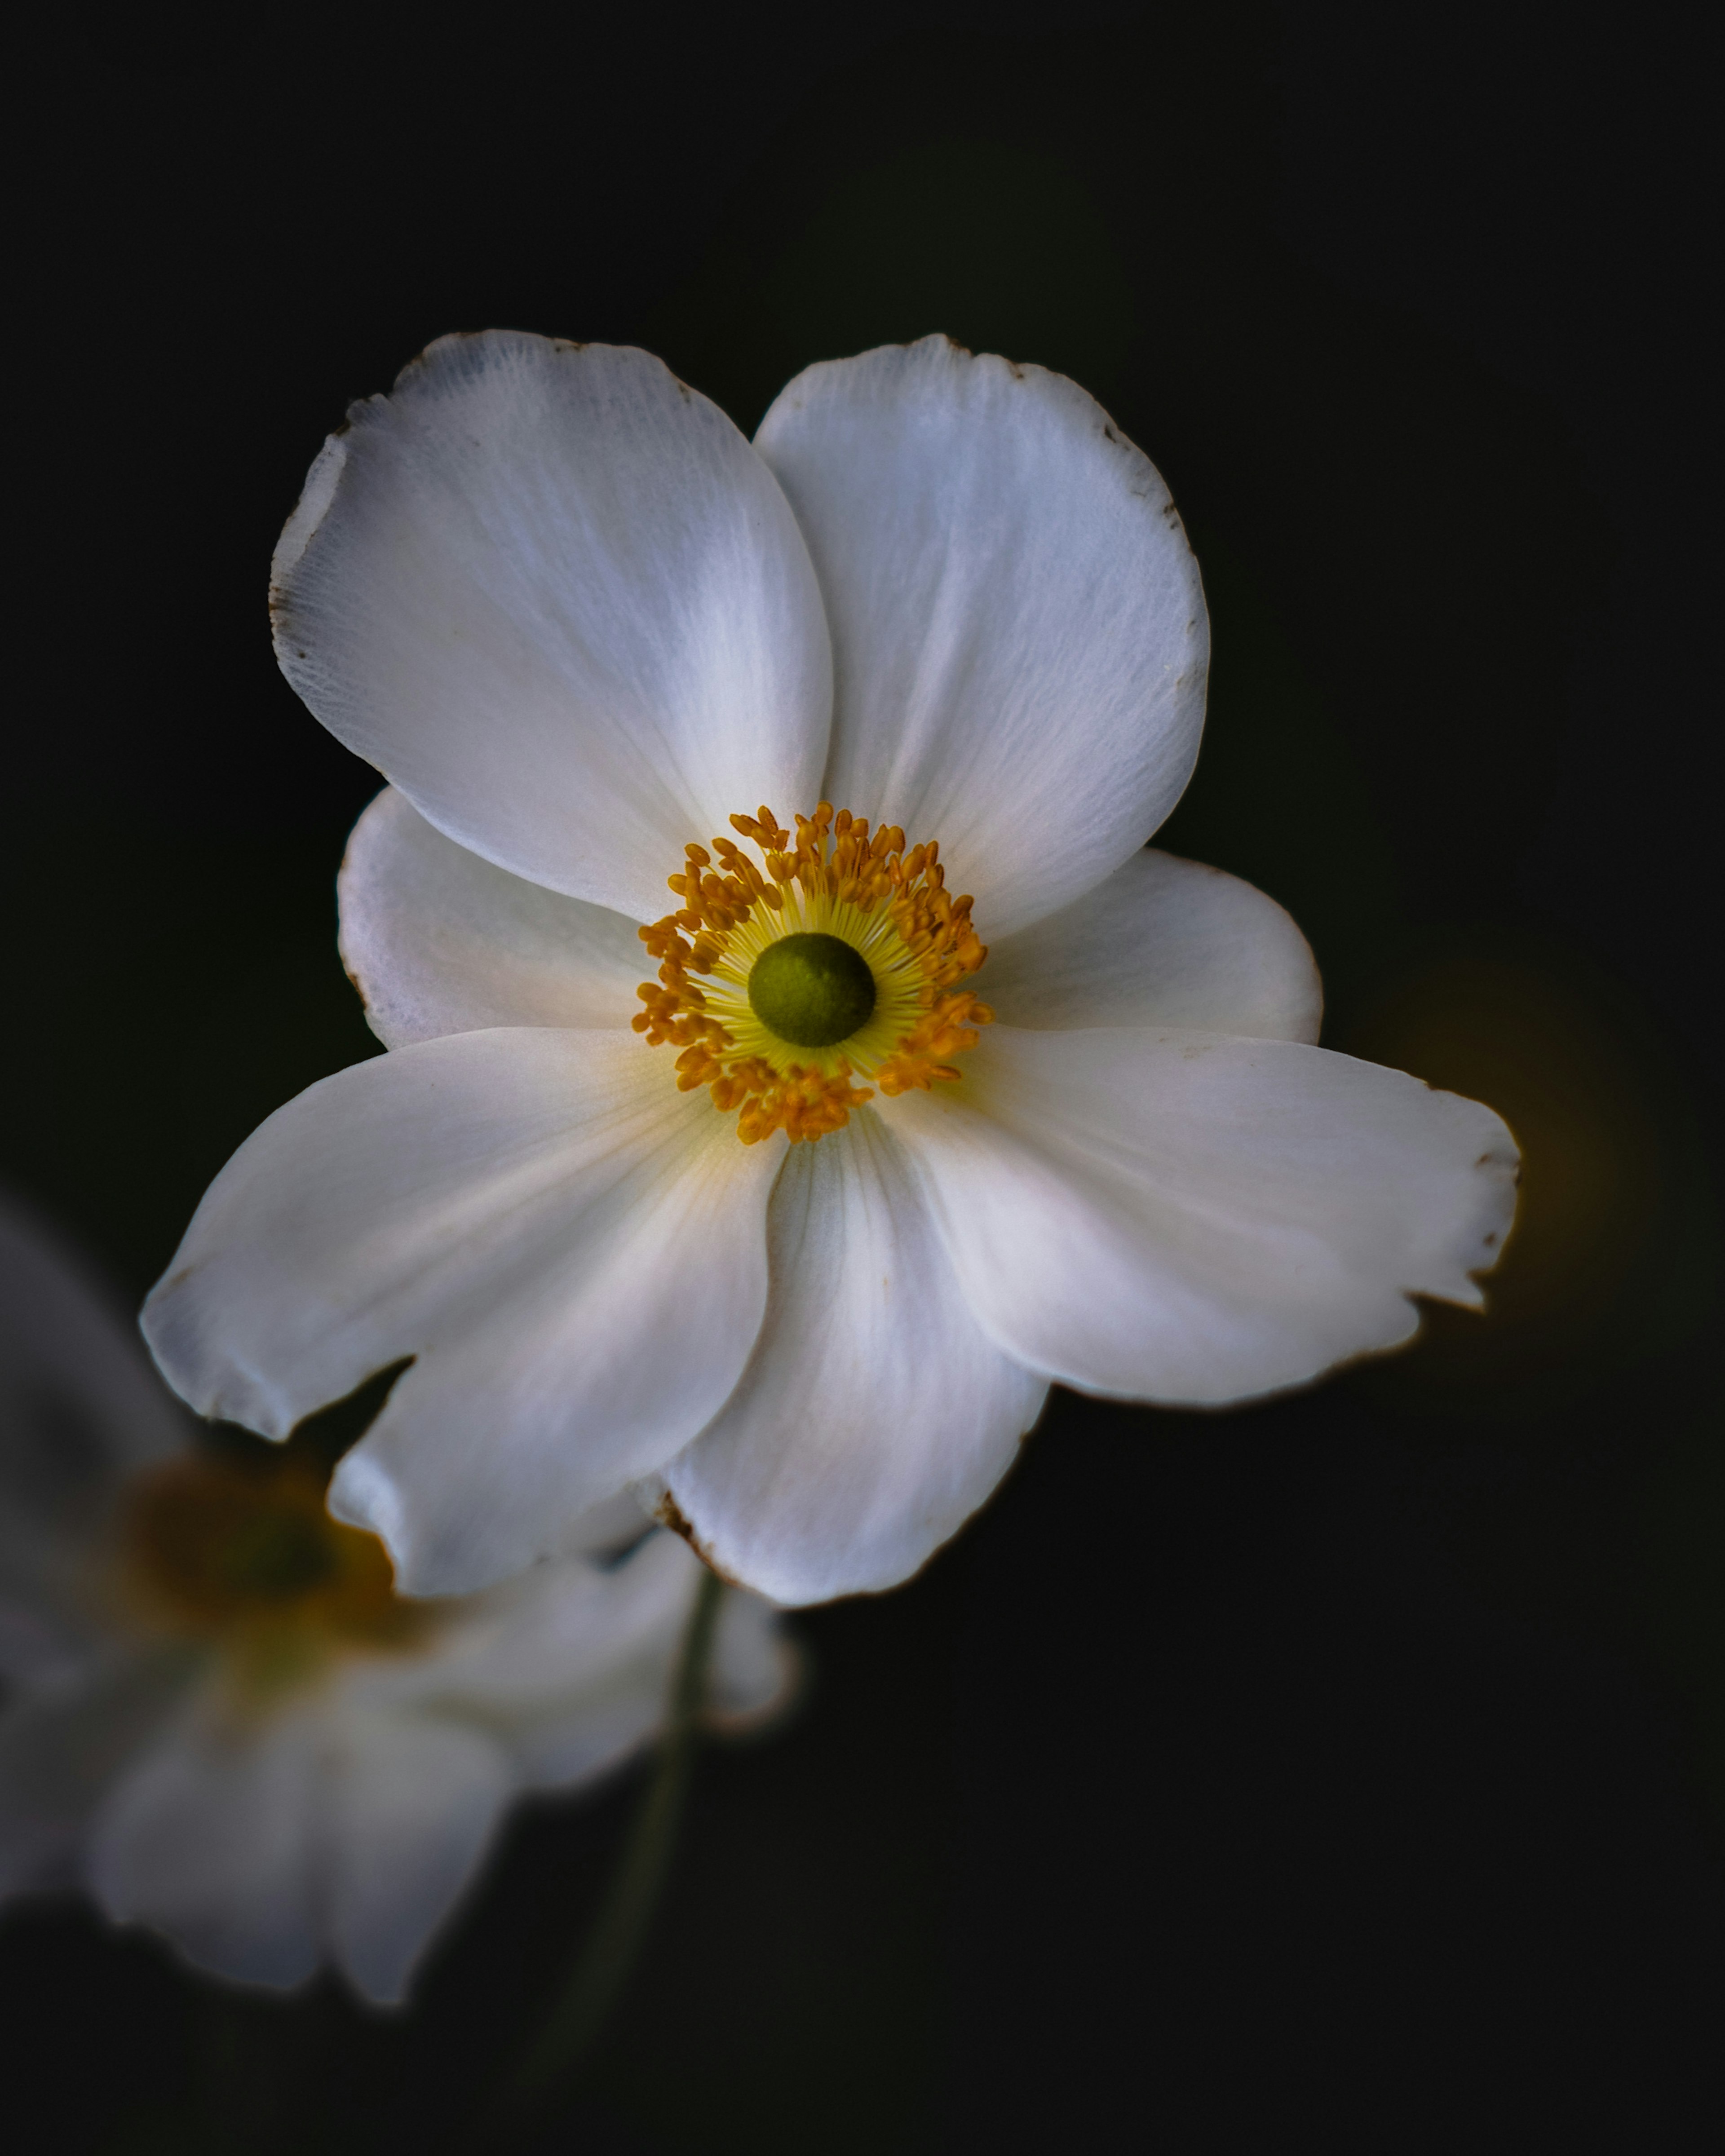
{"x": 670, "y": 1514}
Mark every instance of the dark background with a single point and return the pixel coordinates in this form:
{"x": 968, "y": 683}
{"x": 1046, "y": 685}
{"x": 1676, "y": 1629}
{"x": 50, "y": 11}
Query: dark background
{"x": 1346, "y": 1771}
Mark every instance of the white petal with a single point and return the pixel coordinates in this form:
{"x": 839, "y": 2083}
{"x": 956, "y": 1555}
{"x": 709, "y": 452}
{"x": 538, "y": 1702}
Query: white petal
{"x": 569, "y": 1663}
{"x": 81, "y": 1408}
{"x": 78, "y": 1401}
{"x": 1163, "y": 941}
{"x": 875, "y": 1416}
{"x": 1019, "y": 639}
{"x": 62, "y": 1748}
{"x": 604, "y": 1529}
{"x": 410, "y": 1808}
{"x": 211, "y": 1839}
{"x": 556, "y": 598}
{"x": 574, "y": 1251}
{"x": 755, "y": 1668}
{"x": 562, "y": 1637}
{"x": 437, "y": 940}
{"x": 1188, "y": 1217}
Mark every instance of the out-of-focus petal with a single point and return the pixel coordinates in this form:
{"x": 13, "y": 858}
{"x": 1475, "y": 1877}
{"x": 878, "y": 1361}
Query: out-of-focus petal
{"x": 569, "y": 1664}
{"x": 559, "y": 1638}
{"x": 1192, "y": 1219}
{"x": 438, "y": 940}
{"x": 211, "y": 1838}
{"x": 410, "y": 1808}
{"x": 1163, "y": 941}
{"x": 574, "y": 1252}
{"x": 556, "y": 598}
{"x": 61, "y": 1748}
{"x": 606, "y": 1530}
{"x": 877, "y": 1414}
{"x": 756, "y": 1668}
{"x": 79, "y": 1409}
{"x": 1020, "y": 638}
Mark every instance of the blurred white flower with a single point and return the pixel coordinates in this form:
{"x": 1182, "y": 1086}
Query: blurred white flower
{"x": 583, "y": 626}
{"x": 220, "y": 1719}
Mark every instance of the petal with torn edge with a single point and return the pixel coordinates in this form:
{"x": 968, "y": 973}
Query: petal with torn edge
{"x": 1192, "y": 1219}
{"x": 558, "y": 599}
{"x": 574, "y": 1252}
{"x": 1020, "y": 638}
{"x": 876, "y": 1415}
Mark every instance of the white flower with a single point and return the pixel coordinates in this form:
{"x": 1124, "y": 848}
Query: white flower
{"x": 222, "y": 1722}
{"x": 583, "y": 626}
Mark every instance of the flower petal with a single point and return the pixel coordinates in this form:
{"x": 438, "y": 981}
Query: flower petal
{"x": 1183, "y": 1217}
{"x": 410, "y": 1810}
{"x": 557, "y": 599}
{"x": 210, "y": 1839}
{"x": 756, "y": 1669}
{"x": 1020, "y": 639}
{"x": 80, "y": 1409}
{"x": 574, "y": 1252}
{"x": 875, "y": 1416}
{"x": 437, "y": 940}
{"x": 62, "y": 1746}
{"x": 559, "y": 1633}
{"x": 569, "y": 1662}
{"x": 1162, "y": 941}
{"x": 78, "y": 1402}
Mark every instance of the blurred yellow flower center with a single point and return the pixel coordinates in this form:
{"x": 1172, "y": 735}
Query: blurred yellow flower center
{"x": 245, "y": 1555}
{"x": 834, "y": 958}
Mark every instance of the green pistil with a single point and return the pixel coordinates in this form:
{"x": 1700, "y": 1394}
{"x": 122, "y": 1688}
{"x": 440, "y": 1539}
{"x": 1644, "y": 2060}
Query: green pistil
{"x": 813, "y": 991}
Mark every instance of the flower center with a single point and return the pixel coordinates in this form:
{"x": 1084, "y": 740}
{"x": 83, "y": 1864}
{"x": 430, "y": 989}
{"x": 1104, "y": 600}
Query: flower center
{"x": 245, "y": 1555}
{"x": 812, "y": 990}
{"x": 836, "y": 957}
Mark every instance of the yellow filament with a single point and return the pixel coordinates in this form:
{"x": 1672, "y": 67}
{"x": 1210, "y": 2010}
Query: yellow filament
{"x": 891, "y": 905}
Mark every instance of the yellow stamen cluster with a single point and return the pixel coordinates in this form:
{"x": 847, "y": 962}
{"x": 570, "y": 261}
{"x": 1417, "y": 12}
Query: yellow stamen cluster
{"x": 834, "y": 879}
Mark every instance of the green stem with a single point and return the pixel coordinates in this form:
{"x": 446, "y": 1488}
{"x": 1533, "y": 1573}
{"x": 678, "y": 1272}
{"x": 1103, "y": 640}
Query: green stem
{"x": 613, "y": 1945}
